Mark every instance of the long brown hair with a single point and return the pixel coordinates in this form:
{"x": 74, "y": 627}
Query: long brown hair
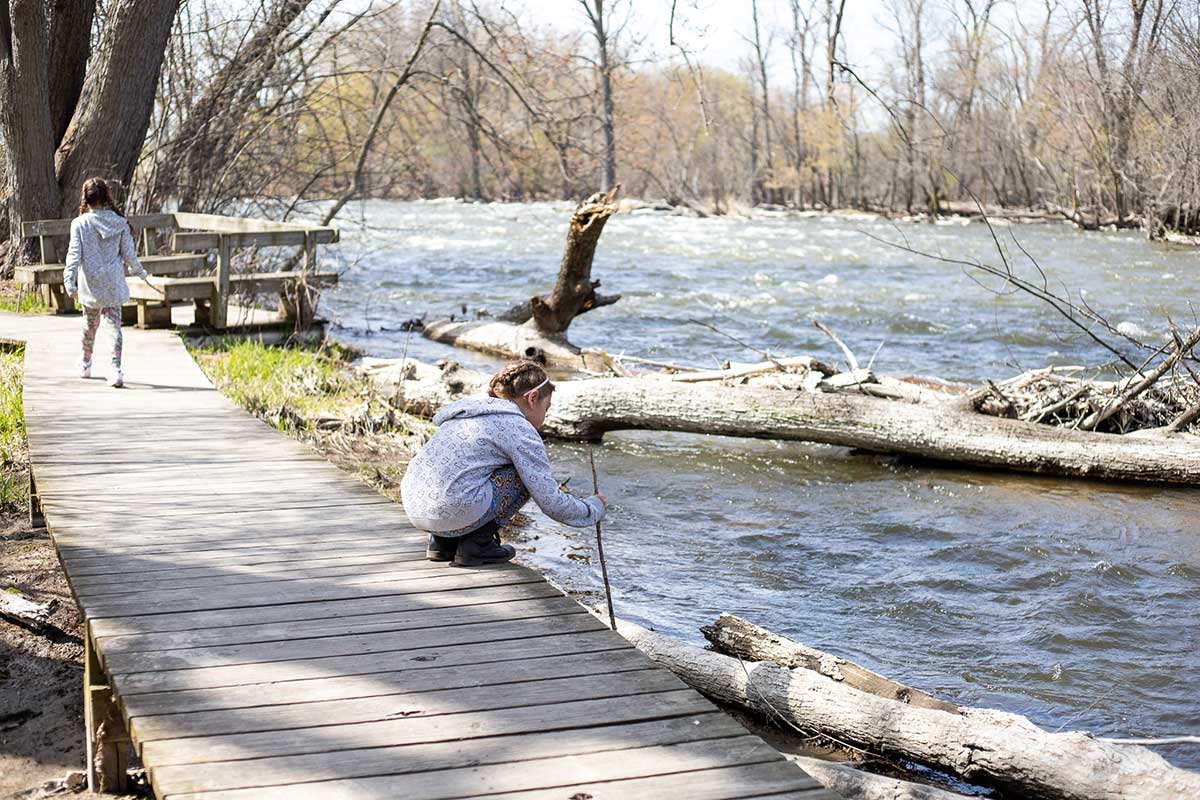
{"x": 517, "y": 378}
{"x": 95, "y": 194}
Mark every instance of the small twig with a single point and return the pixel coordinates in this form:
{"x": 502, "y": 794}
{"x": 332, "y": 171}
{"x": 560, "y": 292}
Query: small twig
{"x": 1167, "y": 740}
{"x": 612, "y": 617}
{"x": 762, "y": 353}
{"x": 850, "y": 359}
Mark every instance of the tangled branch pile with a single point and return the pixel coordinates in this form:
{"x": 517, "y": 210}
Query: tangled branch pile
{"x": 1166, "y": 397}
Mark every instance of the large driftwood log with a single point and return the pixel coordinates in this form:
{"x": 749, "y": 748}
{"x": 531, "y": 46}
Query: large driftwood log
{"x": 855, "y": 784}
{"x": 986, "y": 747}
{"x": 734, "y": 636}
{"x": 941, "y": 431}
{"x": 537, "y": 328}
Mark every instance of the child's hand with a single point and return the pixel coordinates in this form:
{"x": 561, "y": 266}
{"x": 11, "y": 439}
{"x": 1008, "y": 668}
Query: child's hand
{"x": 602, "y": 499}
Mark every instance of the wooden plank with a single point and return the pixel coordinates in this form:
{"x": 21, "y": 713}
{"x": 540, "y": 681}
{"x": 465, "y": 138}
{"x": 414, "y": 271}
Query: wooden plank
{"x": 380, "y": 707}
{"x": 490, "y": 585}
{"x": 530, "y": 600}
{"x": 86, "y": 557}
{"x": 120, "y": 664}
{"x": 268, "y": 282}
{"x": 165, "y": 600}
{"x": 222, "y": 579}
{"x": 561, "y": 771}
{"x": 206, "y": 563}
{"x": 170, "y": 289}
{"x": 426, "y": 679}
{"x": 477, "y": 653}
{"x": 772, "y": 780}
{"x": 437, "y": 618}
{"x": 52, "y": 274}
{"x": 441, "y": 755}
{"x": 414, "y": 730}
{"x": 222, "y": 224}
{"x": 62, "y": 227}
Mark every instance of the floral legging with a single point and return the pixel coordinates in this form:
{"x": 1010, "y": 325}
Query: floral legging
{"x": 508, "y": 495}
{"x": 91, "y": 323}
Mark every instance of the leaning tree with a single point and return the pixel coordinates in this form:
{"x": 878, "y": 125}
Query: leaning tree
{"x": 68, "y": 111}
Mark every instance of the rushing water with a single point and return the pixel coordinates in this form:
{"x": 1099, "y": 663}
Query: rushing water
{"x": 1073, "y": 602}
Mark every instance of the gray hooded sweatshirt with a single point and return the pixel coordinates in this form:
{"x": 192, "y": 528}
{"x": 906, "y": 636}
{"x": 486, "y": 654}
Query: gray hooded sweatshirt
{"x": 101, "y": 247}
{"x": 446, "y": 486}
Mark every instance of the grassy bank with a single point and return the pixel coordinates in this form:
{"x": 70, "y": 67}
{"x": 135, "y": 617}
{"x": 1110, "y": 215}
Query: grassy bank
{"x": 316, "y": 395}
{"x": 14, "y": 453}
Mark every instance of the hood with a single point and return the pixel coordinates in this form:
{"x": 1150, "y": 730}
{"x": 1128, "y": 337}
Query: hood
{"x": 108, "y": 223}
{"x": 476, "y": 407}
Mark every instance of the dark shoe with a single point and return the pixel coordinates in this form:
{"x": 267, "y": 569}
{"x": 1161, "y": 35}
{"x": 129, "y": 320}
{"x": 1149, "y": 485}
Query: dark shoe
{"x": 441, "y": 548}
{"x": 483, "y": 547}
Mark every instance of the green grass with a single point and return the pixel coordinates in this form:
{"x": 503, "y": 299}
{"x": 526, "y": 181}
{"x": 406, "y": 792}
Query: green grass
{"x": 14, "y": 454}
{"x": 289, "y": 387}
{"x": 24, "y": 303}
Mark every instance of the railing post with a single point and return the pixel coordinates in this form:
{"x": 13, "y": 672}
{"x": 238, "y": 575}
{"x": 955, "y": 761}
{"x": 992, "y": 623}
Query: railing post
{"x": 107, "y": 739}
{"x": 219, "y": 312}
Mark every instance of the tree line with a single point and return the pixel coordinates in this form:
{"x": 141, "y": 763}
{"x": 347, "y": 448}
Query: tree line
{"x": 1086, "y": 110}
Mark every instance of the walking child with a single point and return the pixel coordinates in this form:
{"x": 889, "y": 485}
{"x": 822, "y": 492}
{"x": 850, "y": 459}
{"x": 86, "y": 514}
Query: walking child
{"x": 101, "y": 248}
{"x": 483, "y": 463}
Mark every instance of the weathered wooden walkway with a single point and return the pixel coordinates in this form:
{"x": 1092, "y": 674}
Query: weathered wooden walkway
{"x": 270, "y": 628}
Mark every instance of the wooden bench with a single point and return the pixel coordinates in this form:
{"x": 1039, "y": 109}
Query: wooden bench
{"x": 184, "y": 274}
{"x": 155, "y": 297}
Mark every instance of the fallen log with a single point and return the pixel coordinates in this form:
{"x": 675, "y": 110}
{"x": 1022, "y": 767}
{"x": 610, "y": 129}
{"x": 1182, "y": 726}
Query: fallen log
{"x": 734, "y": 636}
{"x": 16, "y": 607}
{"x": 536, "y": 329}
{"x": 936, "y": 430}
{"x": 511, "y": 340}
{"x": 856, "y": 784}
{"x": 991, "y": 748}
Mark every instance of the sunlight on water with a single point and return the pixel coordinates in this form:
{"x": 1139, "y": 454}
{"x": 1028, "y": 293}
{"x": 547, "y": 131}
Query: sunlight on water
{"x": 1073, "y": 602}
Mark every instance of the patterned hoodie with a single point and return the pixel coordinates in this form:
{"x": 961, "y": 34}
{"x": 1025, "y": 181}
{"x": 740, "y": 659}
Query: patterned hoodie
{"x": 446, "y": 486}
{"x": 101, "y": 247}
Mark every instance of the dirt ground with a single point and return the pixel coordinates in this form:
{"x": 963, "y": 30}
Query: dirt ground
{"x": 41, "y": 674}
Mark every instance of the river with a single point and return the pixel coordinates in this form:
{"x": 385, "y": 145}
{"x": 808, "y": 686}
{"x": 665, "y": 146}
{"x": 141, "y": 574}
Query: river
{"x": 1072, "y": 602}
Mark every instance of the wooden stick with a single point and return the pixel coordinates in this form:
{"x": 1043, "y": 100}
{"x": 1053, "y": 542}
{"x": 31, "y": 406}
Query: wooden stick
{"x": 850, "y": 359}
{"x": 1166, "y": 740}
{"x": 612, "y": 617}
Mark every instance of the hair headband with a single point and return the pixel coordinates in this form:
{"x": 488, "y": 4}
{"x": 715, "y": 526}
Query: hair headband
{"x": 534, "y": 389}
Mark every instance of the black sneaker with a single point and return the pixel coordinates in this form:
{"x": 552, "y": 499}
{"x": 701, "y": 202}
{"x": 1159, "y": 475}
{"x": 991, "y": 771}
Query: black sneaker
{"x": 441, "y": 548}
{"x": 483, "y": 547}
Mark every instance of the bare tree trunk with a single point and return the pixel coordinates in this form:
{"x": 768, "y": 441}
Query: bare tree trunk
{"x": 575, "y": 291}
{"x": 26, "y": 121}
{"x": 600, "y": 30}
{"x": 71, "y": 44}
{"x": 106, "y": 133}
{"x": 760, "y": 55}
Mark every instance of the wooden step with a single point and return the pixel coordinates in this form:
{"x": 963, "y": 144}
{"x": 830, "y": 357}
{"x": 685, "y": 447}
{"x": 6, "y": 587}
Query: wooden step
{"x": 52, "y": 274}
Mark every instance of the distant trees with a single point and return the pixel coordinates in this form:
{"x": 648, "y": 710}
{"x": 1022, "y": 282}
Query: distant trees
{"x": 1088, "y": 110}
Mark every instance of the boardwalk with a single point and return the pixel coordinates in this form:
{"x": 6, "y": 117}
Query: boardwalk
{"x": 271, "y": 630}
